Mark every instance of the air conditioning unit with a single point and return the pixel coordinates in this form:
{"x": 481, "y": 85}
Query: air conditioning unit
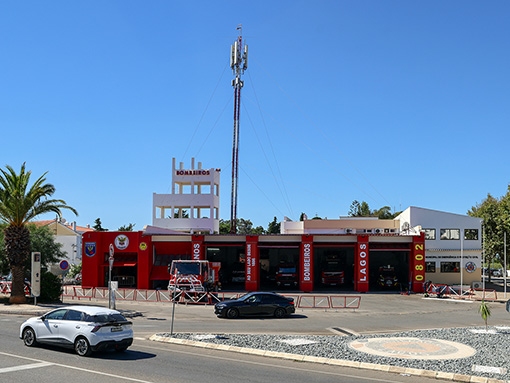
{"x": 477, "y": 285}
{"x": 378, "y": 231}
{"x": 367, "y": 231}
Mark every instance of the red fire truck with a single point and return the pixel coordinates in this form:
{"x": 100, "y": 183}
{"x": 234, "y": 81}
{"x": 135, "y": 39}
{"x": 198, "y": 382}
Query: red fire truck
{"x": 286, "y": 275}
{"x": 193, "y": 275}
{"x": 332, "y": 273}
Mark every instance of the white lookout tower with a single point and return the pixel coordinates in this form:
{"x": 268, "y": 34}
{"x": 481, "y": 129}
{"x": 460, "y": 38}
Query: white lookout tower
{"x": 194, "y": 204}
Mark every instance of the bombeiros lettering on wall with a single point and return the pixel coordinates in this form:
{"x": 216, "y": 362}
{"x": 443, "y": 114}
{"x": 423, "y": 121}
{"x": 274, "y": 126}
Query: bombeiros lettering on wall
{"x": 196, "y": 251}
{"x": 198, "y": 172}
{"x": 362, "y": 262}
{"x": 306, "y": 261}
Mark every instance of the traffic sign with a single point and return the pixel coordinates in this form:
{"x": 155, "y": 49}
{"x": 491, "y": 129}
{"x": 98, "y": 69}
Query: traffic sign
{"x": 64, "y": 265}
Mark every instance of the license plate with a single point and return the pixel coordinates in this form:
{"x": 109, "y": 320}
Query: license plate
{"x": 114, "y": 329}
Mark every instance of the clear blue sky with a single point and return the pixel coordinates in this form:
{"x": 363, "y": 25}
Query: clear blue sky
{"x": 398, "y": 103}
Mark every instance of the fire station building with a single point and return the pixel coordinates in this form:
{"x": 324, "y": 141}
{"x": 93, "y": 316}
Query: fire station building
{"x": 250, "y": 263}
{"x": 351, "y": 254}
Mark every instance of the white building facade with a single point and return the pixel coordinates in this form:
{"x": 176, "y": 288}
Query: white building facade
{"x": 453, "y": 244}
{"x": 194, "y": 203}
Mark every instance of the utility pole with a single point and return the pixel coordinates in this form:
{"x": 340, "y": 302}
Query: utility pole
{"x": 238, "y": 64}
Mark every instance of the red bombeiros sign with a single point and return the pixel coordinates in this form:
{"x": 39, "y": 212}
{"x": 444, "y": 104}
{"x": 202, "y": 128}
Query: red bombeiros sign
{"x": 306, "y": 264}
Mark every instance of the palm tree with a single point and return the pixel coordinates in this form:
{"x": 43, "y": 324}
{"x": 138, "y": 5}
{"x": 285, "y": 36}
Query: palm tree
{"x": 20, "y": 203}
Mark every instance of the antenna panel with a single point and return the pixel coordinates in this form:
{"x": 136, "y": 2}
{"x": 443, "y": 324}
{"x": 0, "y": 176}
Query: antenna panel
{"x": 236, "y": 53}
{"x": 232, "y": 55}
{"x": 245, "y": 57}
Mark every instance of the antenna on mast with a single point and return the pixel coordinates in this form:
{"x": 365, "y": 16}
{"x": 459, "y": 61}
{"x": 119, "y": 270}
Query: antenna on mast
{"x": 238, "y": 64}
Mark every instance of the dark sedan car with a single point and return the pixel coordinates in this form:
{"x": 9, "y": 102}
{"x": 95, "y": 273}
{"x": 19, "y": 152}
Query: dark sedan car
{"x": 256, "y": 304}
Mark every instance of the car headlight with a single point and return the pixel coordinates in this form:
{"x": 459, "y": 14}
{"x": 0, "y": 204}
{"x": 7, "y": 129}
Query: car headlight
{"x": 220, "y": 306}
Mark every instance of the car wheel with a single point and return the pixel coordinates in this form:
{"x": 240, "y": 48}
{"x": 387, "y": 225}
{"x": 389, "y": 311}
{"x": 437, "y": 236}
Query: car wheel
{"x": 280, "y": 313}
{"x": 82, "y": 346}
{"x": 232, "y": 313}
{"x": 29, "y": 337}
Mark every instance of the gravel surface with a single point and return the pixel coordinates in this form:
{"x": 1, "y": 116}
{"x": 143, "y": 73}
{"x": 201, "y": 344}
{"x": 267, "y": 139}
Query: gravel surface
{"x": 491, "y": 360}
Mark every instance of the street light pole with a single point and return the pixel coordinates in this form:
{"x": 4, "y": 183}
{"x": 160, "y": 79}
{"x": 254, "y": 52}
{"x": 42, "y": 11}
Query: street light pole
{"x": 111, "y": 298}
{"x": 504, "y": 265}
{"x": 461, "y": 263}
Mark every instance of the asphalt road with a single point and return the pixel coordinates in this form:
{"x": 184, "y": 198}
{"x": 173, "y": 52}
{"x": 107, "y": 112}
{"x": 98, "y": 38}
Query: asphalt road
{"x": 151, "y": 362}
{"x": 154, "y": 362}
{"x": 378, "y": 313}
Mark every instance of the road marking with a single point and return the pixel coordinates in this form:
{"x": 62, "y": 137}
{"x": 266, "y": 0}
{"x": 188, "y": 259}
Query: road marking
{"x": 342, "y": 331}
{"x": 413, "y": 348}
{"x": 296, "y": 342}
{"x": 25, "y": 367}
{"x": 488, "y": 369}
{"x": 125, "y": 378}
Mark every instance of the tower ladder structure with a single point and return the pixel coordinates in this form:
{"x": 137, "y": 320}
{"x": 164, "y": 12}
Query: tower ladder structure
{"x": 238, "y": 64}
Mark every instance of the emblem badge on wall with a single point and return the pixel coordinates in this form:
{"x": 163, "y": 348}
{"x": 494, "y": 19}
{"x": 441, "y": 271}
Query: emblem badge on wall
{"x": 470, "y": 267}
{"x": 90, "y": 249}
{"x": 121, "y": 242}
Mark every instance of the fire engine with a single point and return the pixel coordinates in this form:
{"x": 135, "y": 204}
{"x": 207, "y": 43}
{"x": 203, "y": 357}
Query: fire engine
{"x": 387, "y": 277}
{"x": 193, "y": 275}
{"x": 332, "y": 273}
{"x": 286, "y": 275}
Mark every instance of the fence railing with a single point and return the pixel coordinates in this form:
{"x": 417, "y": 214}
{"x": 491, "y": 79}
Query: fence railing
{"x": 5, "y": 288}
{"x": 304, "y": 301}
{"x": 459, "y": 292}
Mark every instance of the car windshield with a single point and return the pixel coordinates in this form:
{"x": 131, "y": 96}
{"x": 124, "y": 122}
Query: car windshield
{"x": 388, "y": 273}
{"x": 105, "y": 318}
{"x": 333, "y": 266}
{"x": 287, "y": 269}
{"x": 186, "y": 268}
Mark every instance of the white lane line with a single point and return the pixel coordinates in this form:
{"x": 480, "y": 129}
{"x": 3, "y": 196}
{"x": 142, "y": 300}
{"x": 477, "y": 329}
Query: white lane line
{"x": 25, "y": 367}
{"x": 124, "y": 378}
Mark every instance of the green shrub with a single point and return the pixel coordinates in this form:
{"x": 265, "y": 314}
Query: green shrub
{"x": 51, "y": 287}
{"x": 485, "y": 312}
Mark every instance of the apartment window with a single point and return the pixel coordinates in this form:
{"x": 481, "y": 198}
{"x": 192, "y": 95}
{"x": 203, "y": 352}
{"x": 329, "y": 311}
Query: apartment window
{"x": 430, "y": 233}
{"x": 430, "y": 267}
{"x": 471, "y": 234}
{"x": 450, "y": 267}
{"x": 450, "y": 234}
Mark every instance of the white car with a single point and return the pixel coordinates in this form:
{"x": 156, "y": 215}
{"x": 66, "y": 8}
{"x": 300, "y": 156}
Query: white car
{"x": 84, "y": 328}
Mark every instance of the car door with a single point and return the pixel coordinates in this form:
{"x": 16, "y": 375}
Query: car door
{"x": 251, "y": 306}
{"x": 48, "y": 330}
{"x": 267, "y": 305}
{"x": 71, "y": 325}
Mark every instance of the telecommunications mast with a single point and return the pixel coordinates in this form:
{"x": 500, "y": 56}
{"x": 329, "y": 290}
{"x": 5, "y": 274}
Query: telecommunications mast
{"x": 238, "y": 63}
